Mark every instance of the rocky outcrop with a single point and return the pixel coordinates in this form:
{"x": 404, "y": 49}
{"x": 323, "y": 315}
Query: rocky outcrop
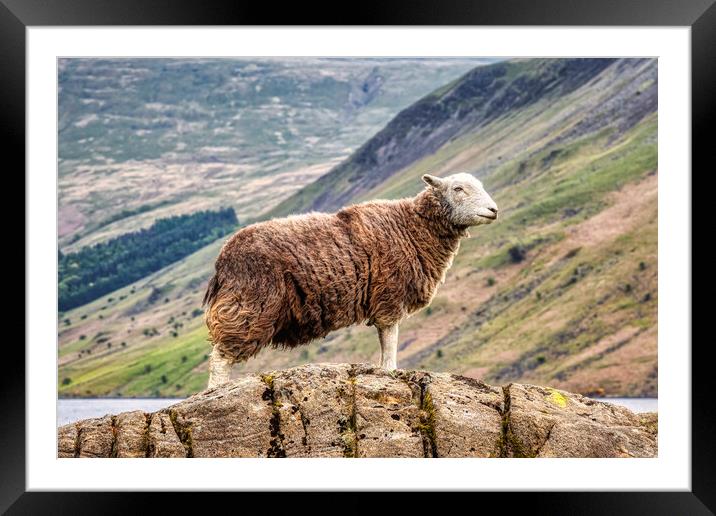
{"x": 342, "y": 410}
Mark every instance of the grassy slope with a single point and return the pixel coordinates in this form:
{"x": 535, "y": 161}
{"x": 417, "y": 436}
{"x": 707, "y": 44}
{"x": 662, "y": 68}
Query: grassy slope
{"x": 578, "y": 313}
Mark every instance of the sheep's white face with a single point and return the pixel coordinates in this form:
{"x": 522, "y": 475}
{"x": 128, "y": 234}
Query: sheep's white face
{"x": 470, "y": 204}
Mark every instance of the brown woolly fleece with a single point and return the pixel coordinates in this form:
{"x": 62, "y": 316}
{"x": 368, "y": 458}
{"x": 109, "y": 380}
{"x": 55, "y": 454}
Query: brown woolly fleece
{"x": 287, "y": 281}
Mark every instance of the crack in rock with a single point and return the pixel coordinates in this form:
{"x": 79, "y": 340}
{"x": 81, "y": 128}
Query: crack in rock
{"x": 183, "y": 432}
{"x": 276, "y": 448}
{"x": 78, "y": 442}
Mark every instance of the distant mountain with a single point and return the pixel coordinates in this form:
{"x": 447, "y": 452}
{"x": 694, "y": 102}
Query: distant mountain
{"x": 476, "y": 99}
{"x": 141, "y": 139}
{"x": 561, "y": 291}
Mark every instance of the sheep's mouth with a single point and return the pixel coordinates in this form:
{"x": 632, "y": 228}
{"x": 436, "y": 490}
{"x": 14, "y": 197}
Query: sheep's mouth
{"x": 488, "y": 217}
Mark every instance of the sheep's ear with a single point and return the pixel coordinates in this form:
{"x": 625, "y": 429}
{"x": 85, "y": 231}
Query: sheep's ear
{"x": 434, "y": 181}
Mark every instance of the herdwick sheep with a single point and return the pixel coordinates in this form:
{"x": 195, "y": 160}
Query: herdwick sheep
{"x": 287, "y": 281}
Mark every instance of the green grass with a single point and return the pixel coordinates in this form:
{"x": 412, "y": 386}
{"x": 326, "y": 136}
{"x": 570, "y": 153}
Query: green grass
{"x": 128, "y": 375}
{"x": 73, "y": 347}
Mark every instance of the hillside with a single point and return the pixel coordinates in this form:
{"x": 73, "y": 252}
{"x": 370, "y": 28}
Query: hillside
{"x": 562, "y": 291}
{"x": 481, "y": 96}
{"x": 141, "y": 139}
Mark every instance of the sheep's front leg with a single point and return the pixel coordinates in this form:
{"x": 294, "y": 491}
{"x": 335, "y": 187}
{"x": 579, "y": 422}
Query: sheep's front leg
{"x": 219, "y": 368}
{"x": 388, "y": 347}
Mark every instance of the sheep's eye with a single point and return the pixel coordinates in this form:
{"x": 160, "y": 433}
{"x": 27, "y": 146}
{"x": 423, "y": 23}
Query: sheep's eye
{"x": 458, "y": 189}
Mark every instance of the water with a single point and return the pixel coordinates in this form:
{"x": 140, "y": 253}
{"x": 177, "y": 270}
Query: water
{"x": 71, "y": 410}
{"x": 634, "y": 404}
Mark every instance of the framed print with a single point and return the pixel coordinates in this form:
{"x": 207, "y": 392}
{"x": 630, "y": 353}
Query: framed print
{"x": 431, "y": 233}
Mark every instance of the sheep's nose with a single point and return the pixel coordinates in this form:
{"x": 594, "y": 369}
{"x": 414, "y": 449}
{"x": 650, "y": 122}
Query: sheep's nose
{"x": 493, "y": 210}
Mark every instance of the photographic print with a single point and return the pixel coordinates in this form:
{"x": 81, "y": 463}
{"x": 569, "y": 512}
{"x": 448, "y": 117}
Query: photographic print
{"x": 357, "y": 257}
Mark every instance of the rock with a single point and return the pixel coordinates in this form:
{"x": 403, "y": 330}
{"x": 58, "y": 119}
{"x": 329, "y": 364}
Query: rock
{"x": 228, "y": 421}
{"x": 545, "y": 422}
{"x": 387, "y": 416}
{"x": 162, "y": 439}
{"x": 95, "y": 438}
{"x": 342, "y": 410}
{"x": 314, "y": 406}
{"x": 67, "y": 441}
{"x": 468, "y": 416}
{"x": 131, "y": 434}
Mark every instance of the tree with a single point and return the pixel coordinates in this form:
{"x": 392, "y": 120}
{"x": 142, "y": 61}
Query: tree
{"x": 96, "y": 270}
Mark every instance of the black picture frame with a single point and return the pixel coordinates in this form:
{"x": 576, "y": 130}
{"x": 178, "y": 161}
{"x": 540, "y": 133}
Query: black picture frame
{"x": 700, "y": 15}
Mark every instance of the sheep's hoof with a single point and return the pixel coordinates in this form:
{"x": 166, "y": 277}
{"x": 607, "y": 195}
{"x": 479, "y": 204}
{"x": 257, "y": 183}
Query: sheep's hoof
{"x": 392, "y": 371}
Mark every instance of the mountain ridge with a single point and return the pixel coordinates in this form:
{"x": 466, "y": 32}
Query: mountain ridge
{"x": 476, "y": 98}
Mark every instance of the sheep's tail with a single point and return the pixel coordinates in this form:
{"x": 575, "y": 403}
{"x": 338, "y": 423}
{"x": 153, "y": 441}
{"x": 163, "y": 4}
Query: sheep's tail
{"x": 211, "y": 291}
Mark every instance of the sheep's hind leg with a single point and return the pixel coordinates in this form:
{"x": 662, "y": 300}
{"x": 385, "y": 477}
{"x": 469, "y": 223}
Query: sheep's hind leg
{"x": 388, "y": 347}
{"x": 219, "y": 368}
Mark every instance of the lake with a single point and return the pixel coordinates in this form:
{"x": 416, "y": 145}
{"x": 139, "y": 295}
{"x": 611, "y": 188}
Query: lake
{"x": 70, "y": 410}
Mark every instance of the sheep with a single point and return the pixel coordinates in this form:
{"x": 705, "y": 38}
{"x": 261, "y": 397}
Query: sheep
{"x": 287, "y": 281}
